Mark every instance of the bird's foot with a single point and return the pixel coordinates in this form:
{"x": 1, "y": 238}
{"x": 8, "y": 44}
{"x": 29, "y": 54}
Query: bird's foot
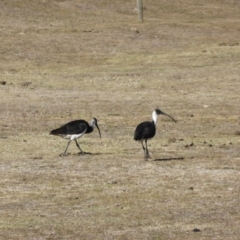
{"x": 64, "y": 154}
{"x": 84, "y": 153}
{"x": 81, "y": 153}
{"x": 147, "y": 156}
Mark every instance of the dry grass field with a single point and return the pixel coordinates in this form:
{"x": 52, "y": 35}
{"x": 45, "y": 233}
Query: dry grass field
{"x": 63, "y": 60}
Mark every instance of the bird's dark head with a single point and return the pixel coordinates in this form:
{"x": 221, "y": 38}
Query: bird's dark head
{"x": 94, "y": 123}
{"x": 157, "y": 112}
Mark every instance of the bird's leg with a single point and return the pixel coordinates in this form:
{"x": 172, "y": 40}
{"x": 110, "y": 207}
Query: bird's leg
{"x": 143, "y": 147}
{"x": 147, "y": 153}
{"x": 79, "y": 146}
{"x": 65, "y": 152}
{"x": 145, "y": 150}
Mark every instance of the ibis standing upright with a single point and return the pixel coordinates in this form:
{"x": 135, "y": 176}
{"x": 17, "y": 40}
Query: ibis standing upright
{"x": 147, "y": 130}
{"x": 74, "y": 130}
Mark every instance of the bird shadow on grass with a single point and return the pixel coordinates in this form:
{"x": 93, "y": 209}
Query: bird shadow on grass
{"x": 89, "y": 153}
{"x": 169, "y": 159}
{"x": 79, "y": 154}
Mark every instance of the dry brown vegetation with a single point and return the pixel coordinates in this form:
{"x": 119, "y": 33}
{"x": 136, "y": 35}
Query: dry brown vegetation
{"x": 66, "y": 59}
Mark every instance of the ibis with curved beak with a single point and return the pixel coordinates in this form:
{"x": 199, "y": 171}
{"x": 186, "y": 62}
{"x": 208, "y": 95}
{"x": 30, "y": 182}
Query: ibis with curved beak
{"x": 74, "y": 130}
{"x": 147, "y": 130}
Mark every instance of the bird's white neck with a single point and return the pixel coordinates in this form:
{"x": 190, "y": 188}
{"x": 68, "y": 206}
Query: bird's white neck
{"x": 154, "y": 117}
{"x": 92, "y": 123}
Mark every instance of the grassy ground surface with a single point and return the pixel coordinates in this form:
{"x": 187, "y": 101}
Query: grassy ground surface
{"x": 66, "y": 60}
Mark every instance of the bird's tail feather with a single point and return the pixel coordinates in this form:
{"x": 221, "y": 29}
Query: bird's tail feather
{"x": 56, "y": 131}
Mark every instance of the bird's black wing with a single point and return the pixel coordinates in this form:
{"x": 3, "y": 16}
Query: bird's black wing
{"x": 73, "y": 127}
{"x": 144, "y": 130}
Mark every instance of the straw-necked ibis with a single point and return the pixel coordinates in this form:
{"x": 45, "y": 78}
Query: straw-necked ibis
{"x": 74, "y": 130}
{"x": 147, "y": 130}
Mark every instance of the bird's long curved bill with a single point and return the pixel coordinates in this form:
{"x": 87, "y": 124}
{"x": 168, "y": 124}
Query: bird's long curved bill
{"x": 98, "y": 130}
{"x": 169, "y": 116}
